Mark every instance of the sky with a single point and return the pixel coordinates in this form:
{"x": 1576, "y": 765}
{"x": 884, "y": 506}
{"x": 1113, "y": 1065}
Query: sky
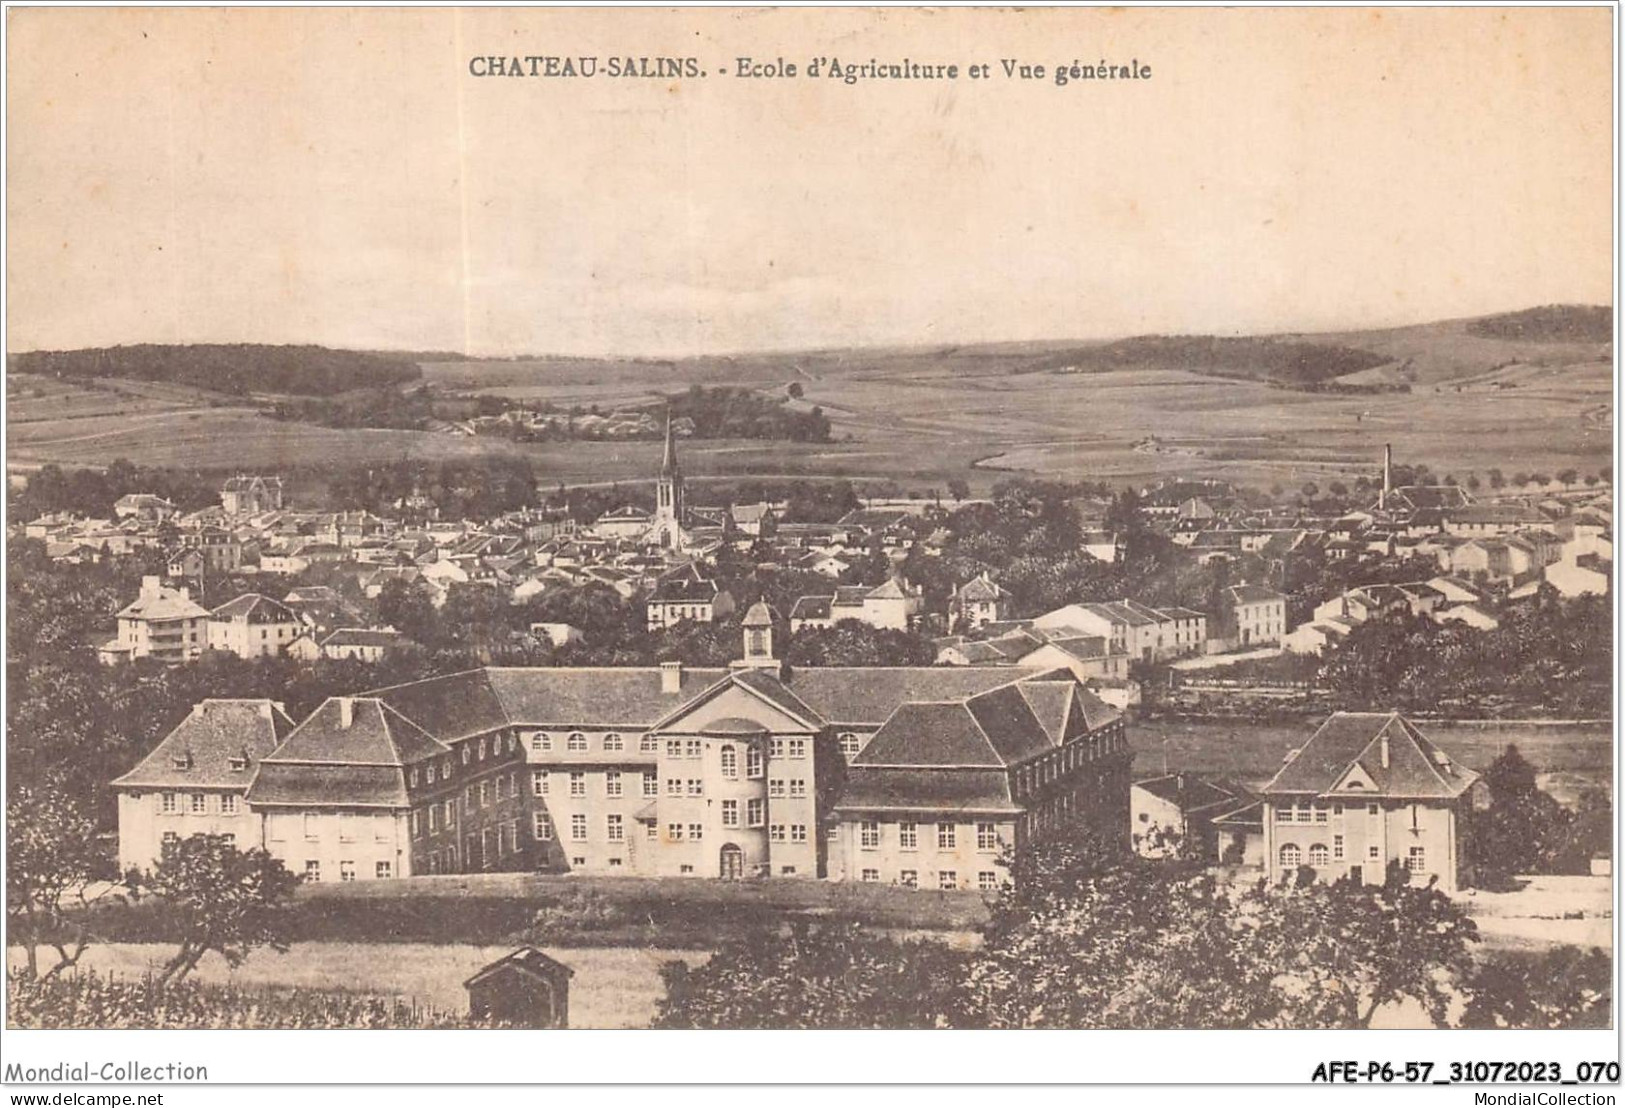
{"x": 338, "y": 176}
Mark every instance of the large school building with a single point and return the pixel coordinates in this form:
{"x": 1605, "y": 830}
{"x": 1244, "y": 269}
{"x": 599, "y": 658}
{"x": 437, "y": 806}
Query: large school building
{"x": 904, "y": 775}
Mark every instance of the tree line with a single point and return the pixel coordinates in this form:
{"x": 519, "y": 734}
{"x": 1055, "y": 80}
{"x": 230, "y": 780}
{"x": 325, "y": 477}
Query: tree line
{"x": 235, "y": 368}
{"x": 1089, "y": 937}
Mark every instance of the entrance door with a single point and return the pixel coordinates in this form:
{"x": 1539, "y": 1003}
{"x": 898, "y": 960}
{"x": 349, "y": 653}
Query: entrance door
{"x": 1354, "y": 875}
{"x": 733, "y": 863}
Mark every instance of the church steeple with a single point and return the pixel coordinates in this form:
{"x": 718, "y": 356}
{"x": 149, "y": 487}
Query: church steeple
{"x": 668, "y": 463}
{"x": 669, "y": 493}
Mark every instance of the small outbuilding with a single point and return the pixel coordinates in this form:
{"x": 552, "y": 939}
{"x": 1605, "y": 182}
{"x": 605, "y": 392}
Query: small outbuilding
{"x": 523, "y": 989}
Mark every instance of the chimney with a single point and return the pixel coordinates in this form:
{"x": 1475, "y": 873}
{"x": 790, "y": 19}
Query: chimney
{"x": 347, "y": 715}
{"x": 1385, "y": 751}
{"x": 150, "y": 586}
{"x": 671, "y": 677}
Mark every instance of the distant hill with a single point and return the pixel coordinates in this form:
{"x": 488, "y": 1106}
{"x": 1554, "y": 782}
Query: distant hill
{"x": 1552, "y": 323}
{"x": 233, "y": 368}
{"x": 1459, "y": 350}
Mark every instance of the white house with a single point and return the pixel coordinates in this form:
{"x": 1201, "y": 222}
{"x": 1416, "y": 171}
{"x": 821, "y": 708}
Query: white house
{"x": 195, "y": 780}
{"x": 1257, "y": 615}
{"x": 161, "y": 623}
{"x": 253, "y": 626}
{"x": 1366, "y": 791}
{"x": 977, "y": 602}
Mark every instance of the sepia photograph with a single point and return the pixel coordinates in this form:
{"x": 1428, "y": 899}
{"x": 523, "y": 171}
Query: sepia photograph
{"x": 811, "y": 518}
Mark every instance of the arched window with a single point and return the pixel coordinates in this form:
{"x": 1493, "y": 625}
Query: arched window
{"x": 754, "y": 763}
{"x": 541, "y": 740}
{"x": 648, "y": 744}
{"x": 1319, "y": 855}
{"x": 1291, "y": 856}
{"x": 850, "y": 745}
{"x": 578, "y": 741}
{"x": 612, "y": 741}
{"x": 730, "y": 761}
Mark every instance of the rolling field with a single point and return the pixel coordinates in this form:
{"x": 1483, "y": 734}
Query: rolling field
{"x": 923, "y": 416}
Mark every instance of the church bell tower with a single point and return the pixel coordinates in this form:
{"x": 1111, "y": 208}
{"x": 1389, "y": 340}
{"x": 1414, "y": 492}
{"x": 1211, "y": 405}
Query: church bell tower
{"x": 669, "y": 488}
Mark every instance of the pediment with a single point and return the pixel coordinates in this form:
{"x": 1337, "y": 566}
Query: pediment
{"x": 1357, "y": 780}
{"x": 732, "y": 702}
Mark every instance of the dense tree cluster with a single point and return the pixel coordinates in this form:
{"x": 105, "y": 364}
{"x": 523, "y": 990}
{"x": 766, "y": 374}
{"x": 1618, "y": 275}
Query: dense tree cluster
{"x": 732, "y": 412}
{"x": 1551, "y": 323}
{"x": 73, "y": 724}
{"x": 93, "y": 492}
{"x": 1526, "y": 830}
{"x": 479, "y": 489}
{"x": 237, "y": 368}
{"x": 1548, "y": 654}
{"x": 1087, "y": 938}
{"x": 391, "y": 408}
{"x": 1282, "y": 361}
{"x": 1030, "y": 539}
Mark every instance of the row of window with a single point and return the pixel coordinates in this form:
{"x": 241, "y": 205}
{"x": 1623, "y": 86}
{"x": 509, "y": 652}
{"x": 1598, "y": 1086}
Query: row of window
{"x": 1292, "y": 856}
{"x": 171, "y": 838}
{"x": 908, "y": 836}
{"x": 493, "y": 745}
{"x": 313, "y": 870}
{"x": 672, "y": 612}
{"x": 198, "y": 804}
{"x": 576, "y": 741}
{"x": 987, "y": 880}
{"x": 541, "y": 783}
{"x": 480, "y": 794}
{"x": 1060, "y": 763}
{"x": 615, "y": 827}
{"x": 491, "y": 844}
{"x": 1316, "y": 813}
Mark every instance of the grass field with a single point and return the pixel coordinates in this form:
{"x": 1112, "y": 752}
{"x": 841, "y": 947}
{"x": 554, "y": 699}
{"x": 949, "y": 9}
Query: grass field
{"x": 613, "y": 987}
{"x": 923, "y": 416}
{"x": 1569, "y": 757}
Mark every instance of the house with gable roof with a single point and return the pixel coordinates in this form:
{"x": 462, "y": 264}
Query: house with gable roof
{"x": 246, "y": 495}
{"x": 359, "y": 791}
{"x": 978, "y": 601}
{"x": 1369, "y": 790}
{"x": 196, "y": 780}
{"x": 945, "y": 787}
{"x": 253, "y": 626}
